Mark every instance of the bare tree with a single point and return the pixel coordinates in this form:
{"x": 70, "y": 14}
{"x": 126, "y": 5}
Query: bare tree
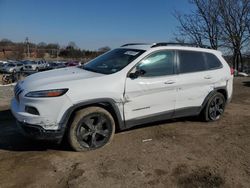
{"x": 41, "y": 45}
{"x": 18, "y": 52}
{"x": 73, "y": 45}
{"x": 40, "y": 53}
{"x": 220, "y": 23}
{"x": 235, "y": 26}
{"x": 202, "y": 25}
{"x": 189, "y": 28}
{"x": 104, "y": 49}
{"x": 208, "y": 11}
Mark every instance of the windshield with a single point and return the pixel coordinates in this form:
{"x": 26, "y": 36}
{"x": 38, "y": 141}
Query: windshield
{"x": 113, "y": 61}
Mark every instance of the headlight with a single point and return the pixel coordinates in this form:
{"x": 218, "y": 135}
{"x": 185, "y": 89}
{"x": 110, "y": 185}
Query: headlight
{"x": 47, "y": 93}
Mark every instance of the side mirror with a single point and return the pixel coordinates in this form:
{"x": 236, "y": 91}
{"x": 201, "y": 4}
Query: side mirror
{"x": 137, "y": 73}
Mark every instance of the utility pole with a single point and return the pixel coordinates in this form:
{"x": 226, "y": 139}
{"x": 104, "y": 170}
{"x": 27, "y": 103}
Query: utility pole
{"x": 28, "y": 47}
{"x": 57, "y": 53}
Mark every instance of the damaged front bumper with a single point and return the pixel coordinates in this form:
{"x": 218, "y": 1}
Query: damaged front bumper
{"x": 39, "y": 133}
{"x": 35, "y": 126}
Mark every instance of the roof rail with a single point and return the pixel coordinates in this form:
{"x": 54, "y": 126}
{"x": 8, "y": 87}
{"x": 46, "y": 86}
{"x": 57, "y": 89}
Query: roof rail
{"x": 133, "y": 44}
{"x": 179, "y": 44}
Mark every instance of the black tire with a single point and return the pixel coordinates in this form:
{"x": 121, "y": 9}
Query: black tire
{"x": 37, "y": 69}
{"x": 214, "y": 108}
{"x": 92, "y": 128}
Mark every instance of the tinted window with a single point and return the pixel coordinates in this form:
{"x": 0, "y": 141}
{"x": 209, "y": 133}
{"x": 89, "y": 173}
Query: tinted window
{"x": 158, "y": 64}
{"x": 190, "y": 61}
{"x": 212, "y": 61}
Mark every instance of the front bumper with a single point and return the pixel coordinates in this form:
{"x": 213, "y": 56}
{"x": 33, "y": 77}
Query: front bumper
{"x": 35, "y": 126}
{"x": 39, "y": 133}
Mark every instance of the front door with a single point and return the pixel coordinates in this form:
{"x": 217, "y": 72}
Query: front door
{"x": 154, "y": 92}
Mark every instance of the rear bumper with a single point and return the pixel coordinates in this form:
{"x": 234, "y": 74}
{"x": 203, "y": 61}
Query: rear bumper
{"x": 39, "y": 133}
{"x": 229, "y": 99}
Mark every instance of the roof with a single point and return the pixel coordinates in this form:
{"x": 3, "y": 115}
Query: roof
{"x": 187, "y": 46}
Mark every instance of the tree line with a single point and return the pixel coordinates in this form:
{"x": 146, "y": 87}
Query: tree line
{"x": 221, "y": 24}
{"x": 21, "y": 50}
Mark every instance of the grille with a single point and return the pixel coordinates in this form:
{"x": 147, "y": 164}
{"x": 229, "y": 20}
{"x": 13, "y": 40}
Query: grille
{"x": 17, "y": 90}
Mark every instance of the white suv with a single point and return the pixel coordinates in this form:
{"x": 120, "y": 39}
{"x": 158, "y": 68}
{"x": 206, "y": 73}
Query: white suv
{"x": 34, "y": 66}
{"x": 131, "y": 85}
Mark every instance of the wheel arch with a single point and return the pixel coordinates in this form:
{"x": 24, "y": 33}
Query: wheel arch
{"x": 108, "y": 104}
{"x": 221, "y": 90}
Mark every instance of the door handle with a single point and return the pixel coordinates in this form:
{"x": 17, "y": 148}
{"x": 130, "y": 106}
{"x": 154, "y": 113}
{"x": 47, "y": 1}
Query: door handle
{"x": 169, "y": 82}
{"x": 208, "y": 77}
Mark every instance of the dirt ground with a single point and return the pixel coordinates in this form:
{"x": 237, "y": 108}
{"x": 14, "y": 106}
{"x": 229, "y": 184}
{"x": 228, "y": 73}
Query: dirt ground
{"x": 182, "y": 153}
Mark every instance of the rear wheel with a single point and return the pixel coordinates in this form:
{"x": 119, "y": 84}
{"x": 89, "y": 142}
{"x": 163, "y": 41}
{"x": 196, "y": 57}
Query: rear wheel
{"x": 214, "y": 107}
{"x": 92, "y": 128}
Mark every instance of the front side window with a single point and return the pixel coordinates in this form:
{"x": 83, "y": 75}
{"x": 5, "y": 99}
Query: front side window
{"x": 190, "y": 61}
{"x": 158, "y": 64}
{"x": 113, "y": 61}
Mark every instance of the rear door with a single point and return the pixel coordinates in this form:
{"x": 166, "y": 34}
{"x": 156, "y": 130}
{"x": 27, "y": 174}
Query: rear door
{"x": 153, "y": 93}
{"x": 194, "y": 82}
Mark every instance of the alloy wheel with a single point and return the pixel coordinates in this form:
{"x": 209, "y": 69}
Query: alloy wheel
{"x": 216, "y": 108}
{"x": 94, "y": 130}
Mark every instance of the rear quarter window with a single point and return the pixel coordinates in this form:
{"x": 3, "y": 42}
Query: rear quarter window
{"x": 212, "y": 61}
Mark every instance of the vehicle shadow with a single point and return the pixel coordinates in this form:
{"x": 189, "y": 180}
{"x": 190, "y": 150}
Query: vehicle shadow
{"x": 12, "y": 138}
{"x": 246, "y": 83}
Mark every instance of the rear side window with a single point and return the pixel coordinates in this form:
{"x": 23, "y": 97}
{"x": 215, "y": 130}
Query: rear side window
{"x": 190, "y": 61}
{"x": 212, "y": 61}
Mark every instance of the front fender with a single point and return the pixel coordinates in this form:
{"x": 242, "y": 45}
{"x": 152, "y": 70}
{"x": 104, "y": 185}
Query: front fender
{"x": 117, "y": 108}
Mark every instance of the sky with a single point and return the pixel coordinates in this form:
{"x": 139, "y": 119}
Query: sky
{"x": 91, "y": 24}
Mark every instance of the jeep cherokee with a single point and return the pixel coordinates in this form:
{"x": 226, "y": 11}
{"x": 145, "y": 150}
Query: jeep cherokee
{"x": 131, "y": 85}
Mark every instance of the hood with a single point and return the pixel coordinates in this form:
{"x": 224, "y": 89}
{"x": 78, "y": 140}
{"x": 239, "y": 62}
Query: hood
{"x": 58, "y": 76}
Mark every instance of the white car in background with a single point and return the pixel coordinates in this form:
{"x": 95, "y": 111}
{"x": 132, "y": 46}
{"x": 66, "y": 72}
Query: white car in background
{"x": 3, "y": 65}
{"x": 3, "y": 62}
{"x": 128, "y": 86}
{"x": 34, "y": 65}
{"x": 12, "y": 67}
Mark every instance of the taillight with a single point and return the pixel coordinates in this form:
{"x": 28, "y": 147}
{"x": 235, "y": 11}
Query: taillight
{"x": 232, "y": 71}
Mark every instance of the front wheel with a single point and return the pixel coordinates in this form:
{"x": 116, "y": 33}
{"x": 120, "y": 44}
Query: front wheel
{"x": 92, "y": 128}
{"x": 214, "y": 107}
